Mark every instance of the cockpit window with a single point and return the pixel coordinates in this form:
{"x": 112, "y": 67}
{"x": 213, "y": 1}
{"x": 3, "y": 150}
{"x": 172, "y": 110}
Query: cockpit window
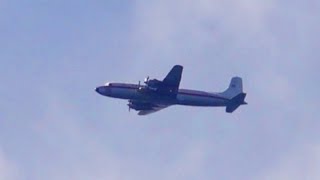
{"x": 108, "y": 84}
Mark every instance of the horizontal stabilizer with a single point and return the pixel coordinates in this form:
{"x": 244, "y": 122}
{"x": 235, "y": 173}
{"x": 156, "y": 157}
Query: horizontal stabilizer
{"x": 235, "y": 102}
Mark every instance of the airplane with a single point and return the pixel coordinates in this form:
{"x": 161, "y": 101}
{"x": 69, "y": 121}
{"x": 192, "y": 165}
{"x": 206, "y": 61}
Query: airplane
{"x": 155, "y": 95}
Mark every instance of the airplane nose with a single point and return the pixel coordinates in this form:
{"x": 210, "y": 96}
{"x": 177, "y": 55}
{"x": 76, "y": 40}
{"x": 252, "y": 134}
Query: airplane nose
{"x": 97, "y": 89}
{"x": 102, "y": 90}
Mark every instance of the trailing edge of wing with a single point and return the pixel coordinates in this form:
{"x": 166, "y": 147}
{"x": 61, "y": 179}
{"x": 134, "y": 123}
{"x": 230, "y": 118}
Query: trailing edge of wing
{"x": 146, "y": 112}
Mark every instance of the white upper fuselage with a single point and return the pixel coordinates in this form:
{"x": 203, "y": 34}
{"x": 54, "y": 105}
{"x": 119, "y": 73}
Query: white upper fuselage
{"x": 184, "y": 96}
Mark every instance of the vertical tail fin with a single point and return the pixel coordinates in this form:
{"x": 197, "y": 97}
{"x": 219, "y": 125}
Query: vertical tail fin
{"x": 235, "y": 94}
{"x": 234, "y": 88}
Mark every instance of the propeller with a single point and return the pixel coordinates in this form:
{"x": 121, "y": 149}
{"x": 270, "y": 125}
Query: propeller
{"x": 139, "y": 87}
{"x": 146, "y": 80}
{"x": 129, "y": 107}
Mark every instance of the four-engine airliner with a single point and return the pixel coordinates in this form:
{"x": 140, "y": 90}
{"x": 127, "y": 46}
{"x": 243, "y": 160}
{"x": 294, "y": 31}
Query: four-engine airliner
{"x": 155, "y": 95}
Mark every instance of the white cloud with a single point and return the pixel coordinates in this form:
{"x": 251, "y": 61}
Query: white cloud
{"x": 301, "y": 163}
{"x": 67, "y": 148}
{"x": 190, "y": 163}
{"x": 7, "y": 169}
{"x": 171, "y": 23}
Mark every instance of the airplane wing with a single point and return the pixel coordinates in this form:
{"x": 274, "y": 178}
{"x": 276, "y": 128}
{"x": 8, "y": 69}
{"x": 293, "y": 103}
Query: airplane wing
{"x": 146, "y": 112}
{"x": 145, "y": 108}
{"x": 172, "y": 81}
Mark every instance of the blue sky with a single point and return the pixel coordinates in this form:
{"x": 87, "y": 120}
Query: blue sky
{"x": 54, "y": 53}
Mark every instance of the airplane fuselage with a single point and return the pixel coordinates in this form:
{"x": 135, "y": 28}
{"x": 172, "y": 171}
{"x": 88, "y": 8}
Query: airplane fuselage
{"x": 183, "y": 97}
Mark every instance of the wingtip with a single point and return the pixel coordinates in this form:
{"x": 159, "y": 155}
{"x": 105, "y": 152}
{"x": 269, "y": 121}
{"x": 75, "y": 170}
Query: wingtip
{"x": 142, "y": 113}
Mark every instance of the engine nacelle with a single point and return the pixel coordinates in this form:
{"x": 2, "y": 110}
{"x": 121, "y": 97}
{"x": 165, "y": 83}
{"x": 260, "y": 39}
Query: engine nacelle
{"x": 154, "y": 83}
{"x": 151, "y": 85}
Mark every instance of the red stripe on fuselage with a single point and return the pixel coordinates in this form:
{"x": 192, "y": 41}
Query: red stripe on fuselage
{"x": 203, "y": 95}
{"x": 184, "y": 93}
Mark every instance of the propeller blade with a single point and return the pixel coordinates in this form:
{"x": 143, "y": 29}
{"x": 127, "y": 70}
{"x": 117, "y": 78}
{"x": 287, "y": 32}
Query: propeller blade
{"x": 129, "y": 108}
{"x": 146, "y": 80}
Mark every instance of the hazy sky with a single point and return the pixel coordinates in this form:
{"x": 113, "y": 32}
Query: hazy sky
{"x": 54, "y": 53}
